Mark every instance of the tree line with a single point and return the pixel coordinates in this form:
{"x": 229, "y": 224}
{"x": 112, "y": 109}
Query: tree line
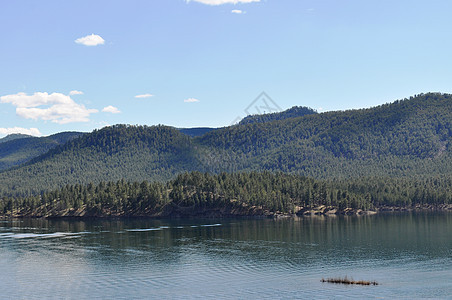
{"x": 273, "y": 192}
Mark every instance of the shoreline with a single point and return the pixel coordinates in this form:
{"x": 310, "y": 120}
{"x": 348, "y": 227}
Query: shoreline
{"x": 256, "y": 213}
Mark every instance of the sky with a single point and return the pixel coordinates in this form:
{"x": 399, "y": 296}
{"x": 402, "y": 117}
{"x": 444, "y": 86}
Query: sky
{"x": 79, "y": 65}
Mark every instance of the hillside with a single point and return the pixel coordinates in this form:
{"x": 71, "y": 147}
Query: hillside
{"x": 197, "y": 131}
{"x": 407, "y": 138}
{"x": 14, "y": 136}
{"x": 294, "y": 112}
{"x": 112, "y": 153}
{"x": 18, "y": 148}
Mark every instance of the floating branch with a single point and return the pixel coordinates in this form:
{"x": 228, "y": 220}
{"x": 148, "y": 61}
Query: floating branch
{"x": 345, "y": 280}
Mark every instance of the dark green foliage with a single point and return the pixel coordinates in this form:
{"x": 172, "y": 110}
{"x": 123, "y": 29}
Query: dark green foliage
{"x": 112, "y": 153}
{"x": 64, "y": 137}
{"x": 194, "y": 132}
{"x": 18, "y": 148}
{"x": 265, "y": 191}
{"x": 408, "y": 137}
{"x": 294, "y": 112}
{"x": 14, "y": 136}
{"x": 411, "y": 138}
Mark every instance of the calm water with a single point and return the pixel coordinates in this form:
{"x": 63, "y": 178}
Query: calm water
{"x": 410, "y": 255}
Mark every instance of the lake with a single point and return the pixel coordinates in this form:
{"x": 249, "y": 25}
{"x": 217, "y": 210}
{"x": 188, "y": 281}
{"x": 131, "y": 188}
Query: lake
{"x": 408, "y": 254}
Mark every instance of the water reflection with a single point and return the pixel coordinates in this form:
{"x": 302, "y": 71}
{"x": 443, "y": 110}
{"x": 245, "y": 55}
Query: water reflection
{"x": 409, "y": 253}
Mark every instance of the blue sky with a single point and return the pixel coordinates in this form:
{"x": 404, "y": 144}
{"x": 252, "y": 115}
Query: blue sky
{"x": 80, "y": 65}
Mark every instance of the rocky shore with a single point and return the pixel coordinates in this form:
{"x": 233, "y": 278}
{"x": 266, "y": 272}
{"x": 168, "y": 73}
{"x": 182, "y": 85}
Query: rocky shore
{"x": 174, "y": 211}
{"x": 330, "y": 210}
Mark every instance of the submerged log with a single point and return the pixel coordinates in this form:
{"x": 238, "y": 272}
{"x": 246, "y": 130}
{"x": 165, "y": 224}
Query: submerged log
{"x": 345, "y": 280}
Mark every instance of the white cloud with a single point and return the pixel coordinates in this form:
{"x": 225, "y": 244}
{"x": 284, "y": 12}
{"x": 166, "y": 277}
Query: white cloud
{"x": 237, "y": 11}
{"x": 90, "y": 40}
{"x": 191, "y": 100}
{"x": 31, "y": 131}
{"x": 72, "y": 93}
{"x": 111, "y": 109}
{"x": 221, "y": 2}
{"x": 144, "y": 96}
{"x": 55, "y": 107}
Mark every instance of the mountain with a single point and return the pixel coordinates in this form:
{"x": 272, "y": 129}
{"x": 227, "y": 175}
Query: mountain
{"x": 14, "y": 136}
{"x": 408, "y": 138}
{"x": 296, "y": 111}
{"x": 112, "y": 153}
{"x": 17, "y": 149}
{"x": 197, "y": 131}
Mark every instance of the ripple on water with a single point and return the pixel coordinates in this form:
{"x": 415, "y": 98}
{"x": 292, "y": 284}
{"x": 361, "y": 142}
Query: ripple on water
{"x": 211, "y": 225}
{"x": 241, "y": 260}
{"x": 45, "y": 235}
{"x": 143, "y": 229}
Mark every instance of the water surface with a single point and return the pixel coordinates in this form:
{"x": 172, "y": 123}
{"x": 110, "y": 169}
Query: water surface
{"x": 409, "y": 254}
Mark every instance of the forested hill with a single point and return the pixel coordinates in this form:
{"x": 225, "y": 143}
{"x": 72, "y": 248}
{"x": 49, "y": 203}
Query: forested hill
{"x": 197, "y": 131}
{"x": 17, "y": 149}
{"x": 294, "y": 112}
{"x": 14, "y": 136}
{"x": 112, "y": 153}
{"x": 407, "y": 138}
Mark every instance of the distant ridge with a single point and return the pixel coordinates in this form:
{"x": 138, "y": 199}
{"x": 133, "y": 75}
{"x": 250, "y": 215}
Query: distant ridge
{"x": 294, "y": 112}
{"x": 197, "y": 131}
{"x": 14, "y": 136}
{"x": 17, "y": 149}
